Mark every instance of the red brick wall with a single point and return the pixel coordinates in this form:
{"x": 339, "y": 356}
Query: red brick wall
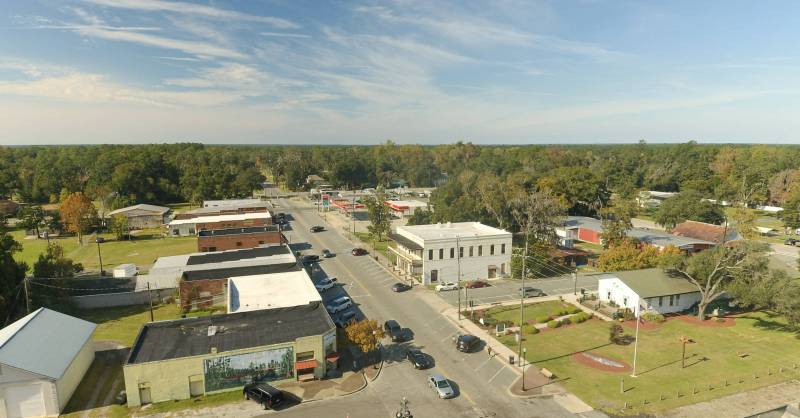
{"x": 589, "y": 235}
{"x": 233, "y": 224}
{"x": 205, "y": 293}
{"x": 229, "y": 242}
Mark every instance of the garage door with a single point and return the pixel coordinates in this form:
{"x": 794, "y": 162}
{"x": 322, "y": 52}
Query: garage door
{"x": 25, "y": 401}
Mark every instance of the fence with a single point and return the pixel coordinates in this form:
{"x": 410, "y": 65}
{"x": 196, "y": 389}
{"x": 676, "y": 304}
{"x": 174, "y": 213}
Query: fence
{"x": 108, "y": 300}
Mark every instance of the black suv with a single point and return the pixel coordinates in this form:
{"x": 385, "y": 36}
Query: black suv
{"x": 266, "y": 395}
{"x": 317, "y": 228}
{"x": 311, "y": 258}
{"x": 393, "y": 330}
{"x": 418, "y": 359}
{"x": 467, "y": 343}
{"x": 529, "y": 292}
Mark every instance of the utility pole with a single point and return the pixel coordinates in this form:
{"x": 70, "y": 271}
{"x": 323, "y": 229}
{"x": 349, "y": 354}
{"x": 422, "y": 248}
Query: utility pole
{"x": 100, "y": 256}
{"x": 150, "y": 296}
{"x": 522, "y": 306}
{"x": 575, "y": 278}
{"x": 458, "y": 278}
{"x": 353, "y": 212}
{"x": 27, "y": 296}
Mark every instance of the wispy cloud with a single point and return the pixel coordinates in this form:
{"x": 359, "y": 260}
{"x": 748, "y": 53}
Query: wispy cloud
{"x": 285, "y": 35}
{"x": 194, "y": 9}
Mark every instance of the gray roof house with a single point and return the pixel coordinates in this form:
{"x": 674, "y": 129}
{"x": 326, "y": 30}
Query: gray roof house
{"x": 43, "y": 358}
{"x": 143, "y": 215}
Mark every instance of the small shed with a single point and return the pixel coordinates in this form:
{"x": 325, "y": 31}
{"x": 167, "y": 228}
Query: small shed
{"x": 125, "y": 270}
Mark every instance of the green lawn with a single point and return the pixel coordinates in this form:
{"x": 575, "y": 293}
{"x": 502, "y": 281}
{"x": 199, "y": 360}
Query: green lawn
{"x": 142, "y": 250}
{"x": 380, "y": 246}
{"x": 530, "y": 312}
{"x": 710, "y": 361}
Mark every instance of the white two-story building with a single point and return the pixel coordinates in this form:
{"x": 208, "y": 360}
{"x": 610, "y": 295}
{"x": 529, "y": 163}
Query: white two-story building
{"x": 436, "y": 253}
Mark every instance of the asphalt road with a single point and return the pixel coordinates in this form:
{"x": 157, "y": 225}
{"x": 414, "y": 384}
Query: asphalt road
{"x": 502, "y": 290}
{"x": 481, "y": 382}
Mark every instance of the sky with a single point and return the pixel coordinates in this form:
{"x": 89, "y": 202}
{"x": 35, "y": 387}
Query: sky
{"x": 410, "y": 71}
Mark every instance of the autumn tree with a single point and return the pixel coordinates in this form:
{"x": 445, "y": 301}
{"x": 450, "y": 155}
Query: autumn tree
{"x": 53, "y": 264}
{"x": 745, "y": 222}
{"x": 616, "y": 222}
{"x": 629, "y": 255}
{"x": 78, "y": 214}
{"x": 119, "y": 226}
{"x": 714, "y": 271}
{"x": 365, "y": 334}
{"x": 380, "y": 222}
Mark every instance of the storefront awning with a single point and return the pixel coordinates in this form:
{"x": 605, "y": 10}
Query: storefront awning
{"x": 305, "y": 364}
{"x": 332, "y": 357}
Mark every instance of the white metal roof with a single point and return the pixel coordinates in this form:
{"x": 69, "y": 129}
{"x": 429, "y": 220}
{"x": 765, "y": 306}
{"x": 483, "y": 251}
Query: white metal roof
{"x": 229, "y": 202}
{"x": 270, "y": 291}
{"x": 452, "y": 230}
{"x": 408, "y": 203}
{"x": 44, "y": 342}
{"x": 221, "y": 218}
{"x": 141, "y": 206}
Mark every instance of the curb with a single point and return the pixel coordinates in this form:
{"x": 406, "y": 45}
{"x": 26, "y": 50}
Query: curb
{"x": 380, "y": 369}
{"x": 342, "y": 395}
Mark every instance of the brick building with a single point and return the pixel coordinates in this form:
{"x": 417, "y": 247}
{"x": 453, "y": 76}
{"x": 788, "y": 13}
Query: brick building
{"x": 238, "y": 238}
{"x": 191, "y": 226}
{"x": 202, "y": 289}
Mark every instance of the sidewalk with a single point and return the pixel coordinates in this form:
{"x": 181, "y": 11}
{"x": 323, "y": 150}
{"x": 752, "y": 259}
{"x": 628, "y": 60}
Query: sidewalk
{"x": 742, "y": 404}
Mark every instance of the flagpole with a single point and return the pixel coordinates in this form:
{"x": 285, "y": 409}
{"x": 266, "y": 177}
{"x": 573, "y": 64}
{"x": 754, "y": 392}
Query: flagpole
{"x": 636, "y": 342}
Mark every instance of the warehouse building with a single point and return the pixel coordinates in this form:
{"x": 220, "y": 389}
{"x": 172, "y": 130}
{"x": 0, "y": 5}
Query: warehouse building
{"x": 43, "y": 358}
{"x": 143, "y": 215}
{"x": 179, "y": 359}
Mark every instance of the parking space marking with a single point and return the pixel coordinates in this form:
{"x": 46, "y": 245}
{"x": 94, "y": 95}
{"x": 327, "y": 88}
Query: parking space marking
{"x": 484, "y": 363}
{"x": 497, "y": 374}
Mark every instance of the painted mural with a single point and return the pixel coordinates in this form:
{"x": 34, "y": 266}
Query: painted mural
{"x": 228, "y": 372}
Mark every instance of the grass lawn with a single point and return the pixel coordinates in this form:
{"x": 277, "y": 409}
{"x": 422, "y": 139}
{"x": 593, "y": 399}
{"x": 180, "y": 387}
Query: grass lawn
{"x": 380, "y": 246}
{"x": 531, "y": 311}
{"x": 142, "y": 250}
{"x": 710, "y": 361}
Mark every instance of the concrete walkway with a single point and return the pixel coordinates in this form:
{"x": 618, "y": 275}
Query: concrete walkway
{"x": 742, "y": 404}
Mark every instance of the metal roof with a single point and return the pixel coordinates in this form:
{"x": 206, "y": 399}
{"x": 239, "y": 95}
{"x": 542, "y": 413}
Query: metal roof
{"x": 44, "y": 342}
{"x": 655, "y": 282}
{"x": 166, "y": 340}
{"x": 238, "y": 231}
{"x": 224, "y": 273}
{"x": 222, "y": 218}
{"x": 653, "y": 237}
{"x": 405, "y": 242}
{"x": 160, "y": 210}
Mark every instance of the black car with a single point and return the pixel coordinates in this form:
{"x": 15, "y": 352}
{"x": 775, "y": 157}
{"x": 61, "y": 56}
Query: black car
{"x": 400, "y": 287}
{"x": 531, "y": 292}
{"x": 359, "y": 251}
{"x": 327, "y": 253}
{"x": 317, "y": 228}
{"x": 393, "y": 330}
{"x": 344, "y": 319}
{"x": 791, "y": 241}
{"x": 266, "y": 395}
{"x": 311, "y": 258}
{"x": 467, "y": 342}
{"x": 418, "y": 358}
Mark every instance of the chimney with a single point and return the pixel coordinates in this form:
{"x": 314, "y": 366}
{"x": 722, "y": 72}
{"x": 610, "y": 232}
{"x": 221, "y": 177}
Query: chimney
{"x": 213, "y": 350}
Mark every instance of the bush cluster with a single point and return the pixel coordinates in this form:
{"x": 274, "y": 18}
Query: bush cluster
{"x": 543, "y": 319}
{"x": 653, "y": 317}
{"x": 553, "y": 324}
{"x": 530, "y": 329}
{"x": 581, "y": 317}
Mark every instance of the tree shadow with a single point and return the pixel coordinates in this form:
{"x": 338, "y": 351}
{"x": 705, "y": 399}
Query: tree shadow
{"x": 569, "y": 354}
{"x": 773, "y": 325}
{"x": 669, "y": 363}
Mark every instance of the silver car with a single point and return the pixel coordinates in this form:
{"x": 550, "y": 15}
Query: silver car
{"x": 441, "y": 386}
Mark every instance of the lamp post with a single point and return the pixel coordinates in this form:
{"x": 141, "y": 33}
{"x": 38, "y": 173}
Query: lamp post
{"x": 458, "y": 278}
{"x": 522, "y": 303}
{"x": 100, "y": 240}
{"x": 522, "y": 362}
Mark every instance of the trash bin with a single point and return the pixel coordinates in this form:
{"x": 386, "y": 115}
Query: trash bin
{"x": 511, "y": 360}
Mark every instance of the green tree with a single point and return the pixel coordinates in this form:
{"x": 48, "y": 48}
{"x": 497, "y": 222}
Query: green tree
{"x": 380, "y": 222}
{"x": 53, "y": 264}
{"x": 32, "y": 218}
{"x": 421, "y": 217}
{"x": 745, "y": 222}
{"x": 616, "y": 222}
{"x": 119, "y": 226}
{"x": 12, "y": 273}
{"x": 629, "y": 255}
{"x": 688, "y": 205}
{"x": 715, "y": 270}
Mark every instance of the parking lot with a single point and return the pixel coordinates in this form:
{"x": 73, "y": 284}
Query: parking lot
{"x": 502, "y": 290}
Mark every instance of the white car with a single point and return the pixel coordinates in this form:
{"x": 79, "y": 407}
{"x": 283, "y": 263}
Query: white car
{"x": 339, "y": 304}
{"x": 446, "y": 286}
{"x": 325, "y": 284}
{"x": 441, "y": 386}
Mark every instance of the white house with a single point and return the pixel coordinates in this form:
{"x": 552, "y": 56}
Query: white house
{"x": 43, "y": 358}
{"x": 402, "y": 208}
{"x": 648, "y": 290}
{"x": 430, "y": 251}
{"x": 270, "y": 291}
{"x": 652, "y": 198}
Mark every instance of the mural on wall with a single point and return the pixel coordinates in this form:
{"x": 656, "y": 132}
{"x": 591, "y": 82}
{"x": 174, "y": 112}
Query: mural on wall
{"x": 238, "y": 370}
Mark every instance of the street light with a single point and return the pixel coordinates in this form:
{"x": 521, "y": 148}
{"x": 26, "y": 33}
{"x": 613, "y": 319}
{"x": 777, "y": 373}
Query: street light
{"x": 522, "y": 362}
{"x": 99, "y": 241}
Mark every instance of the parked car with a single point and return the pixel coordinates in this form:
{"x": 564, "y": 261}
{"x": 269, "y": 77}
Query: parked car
{"x": 326, "y": 253}
{"x": 467, "y": 342}
{"x": 393, "y": 330}
{"x": 359, "y": 251}
{"x": 325, "y": 284}
{"x": 400, "y": 287}
{"x": 477, "y": 284}
{"x": 441, "y": 386}
{"x": 339, "y": 304}
{"x": 345, "y": 318}
{"x": 311, "y": 258}
{"x": 266, "y": 395}
{"x": 791, "y": 241}
{"x": 531, "y": 292}
{"x": 316, "y": 228}
{"x": 418, "y": 358}
{"x": 446, "y": 286}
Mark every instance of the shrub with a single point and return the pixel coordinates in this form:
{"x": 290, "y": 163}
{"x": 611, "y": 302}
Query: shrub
{"x": 566, "y": 321}
{"x": 543, "y": 319}
{"x": 653, "y": 317}
{"x": 489, "y": 321}
{"x": 553, "y": 324}
{"x": 530, "y": 329}
{"x": 580, "y": 317}
{"x": 574, "y": 309}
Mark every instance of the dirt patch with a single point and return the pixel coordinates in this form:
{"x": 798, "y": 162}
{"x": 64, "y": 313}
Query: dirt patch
{"x": 599, "y": 362}
{"x": 722, "y": 322}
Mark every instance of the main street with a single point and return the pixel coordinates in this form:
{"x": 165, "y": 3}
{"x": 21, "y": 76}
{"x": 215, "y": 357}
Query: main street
{"x": 481, "y": 382}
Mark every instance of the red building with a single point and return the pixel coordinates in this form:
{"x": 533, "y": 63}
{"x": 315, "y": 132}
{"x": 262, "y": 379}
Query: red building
{"x": 238, "y": 238}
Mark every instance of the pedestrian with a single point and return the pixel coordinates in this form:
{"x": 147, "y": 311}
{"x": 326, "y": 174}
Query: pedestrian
{"x": 489, "y": 350}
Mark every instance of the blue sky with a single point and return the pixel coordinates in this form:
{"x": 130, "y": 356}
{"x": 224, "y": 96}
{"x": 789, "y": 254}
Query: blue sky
{"x": 361, "y": 72}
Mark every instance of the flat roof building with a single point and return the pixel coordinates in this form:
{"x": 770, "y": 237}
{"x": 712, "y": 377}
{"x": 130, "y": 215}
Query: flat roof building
{"x": 191, "y": 226}
{"x": 429, "y": 253}
{"x": 178, "y": 359}
{"x": 270, "y": 291}
{"x": 403, "y": 208}
{"x": 239, "y": 238}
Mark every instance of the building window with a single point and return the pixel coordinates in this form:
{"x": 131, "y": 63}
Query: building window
{"x": 661, "y": 301}
{"x": 625, "y": 301}
{"x": 480, "y": 250}
{"x": 471, "y": 253}
{"x": 307, "y": 355}
{"x": 460, "y": 252}
{"x": 191, "y": 231}
{"x": 502, "y": 248}
{"x": 491, "y": 249}
{"x": 430, "y": 254}
{"x": 677, "y": 299}
{"x": 452, "y": 253}
{"x": 671, "y": 299}
{"x": 441, "y": 253}
{"x": 238, "y": 244}
{"x": 609, "y": 295}
{"x": 261, "y": 242}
